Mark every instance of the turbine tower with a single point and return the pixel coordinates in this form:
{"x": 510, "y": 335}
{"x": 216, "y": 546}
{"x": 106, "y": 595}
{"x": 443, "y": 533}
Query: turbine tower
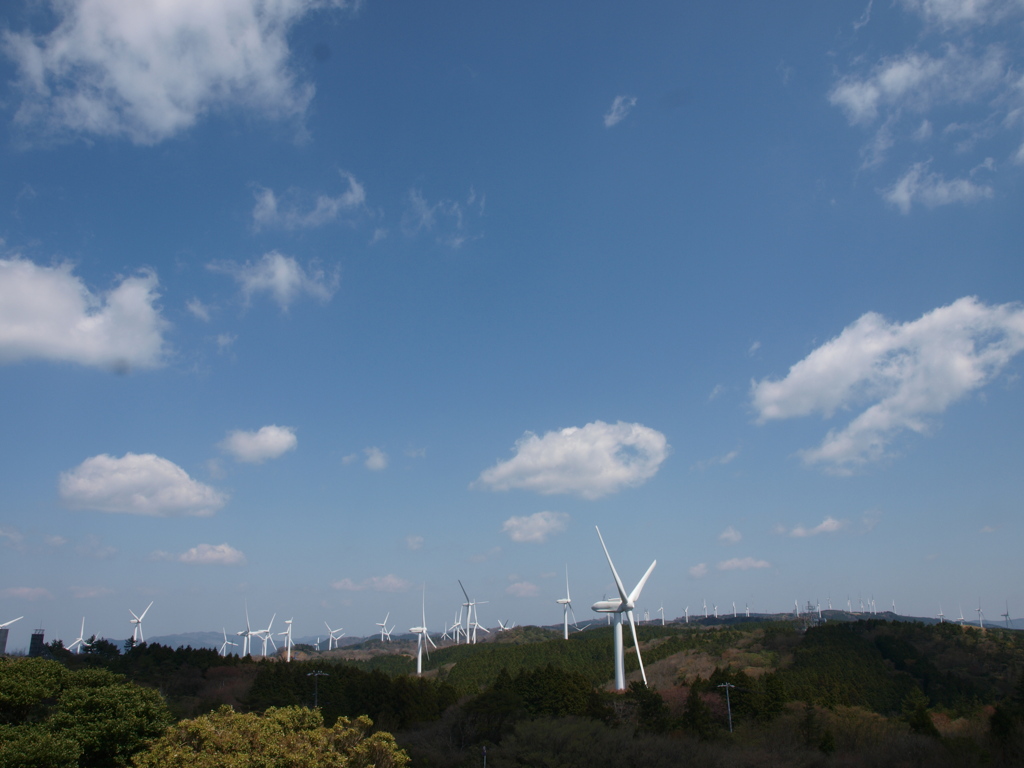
{"x": 287, "y": 640}
{"x": 246, "y": 634}
{"x": 623, "y": 609}
{"x": 422, "y": 635}
{"x": 137, "y": 622}
{"x": 1006, "y": 615}
{"x": 941, "y": 617}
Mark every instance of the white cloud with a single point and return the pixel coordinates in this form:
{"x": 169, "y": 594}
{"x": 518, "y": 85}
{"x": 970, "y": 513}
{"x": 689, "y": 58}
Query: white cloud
{"x": 137, "y": 484}
{"x": 590, "y": 461}
{"x": 48, "y": 313}
{"x": 987, "y": 529}
{"x": 91, "y": 546}
{"x": 699, "y": 570}
{"x": 270, "y": 211}
{"x": 958, "y": 12}
{"x": 902, "y": 372}
{"x": 742, "y": 564}
{"x": 14, "y": 537}
{"x": 828, "y": 525}
{"x": 256, "y": 447}
{"x": 717, "y": 461}
{"x": 26, "y": 593}
{"x": 412, "y": 541}
{"x": 932, "y": 190}
{"x": 522, "y": 589}
{"x": 536, "y": 527}
{"x": 451, "y": 221}
{"x": 621, "y": 106}
{"x": 282, "y": 277}
{"x": 89, "y": 593}
{"x": 389, "y": 583}
{"x": 147, "y": 71}
{"x": 376, "y": 459}
{"x": 198, "y": 309}
{"x": 730, "y": 535}
{"x": 212, "y": 554}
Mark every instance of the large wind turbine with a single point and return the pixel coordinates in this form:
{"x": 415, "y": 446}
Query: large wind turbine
{"x": 265, "y": 636}
{"x": 332, "y": 641}
{"x": 79, "y": 642}
{"x": 623, "y": 609}
{"x": 384, "y": 631}
{"x": 137, "y": 622}
{"x": 226, "y": 643}
{"x": 246, "y": 634}
{"x": 472, "y": 624}
{"x": 566, "y": 603}
{"x": 422, "y": 633}
{"x": 287, "y": 639}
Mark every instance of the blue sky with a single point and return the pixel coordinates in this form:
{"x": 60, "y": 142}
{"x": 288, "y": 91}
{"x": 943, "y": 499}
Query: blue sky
{"x": 307, "y": 304}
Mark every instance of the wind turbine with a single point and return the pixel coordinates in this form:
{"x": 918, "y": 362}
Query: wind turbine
{"x": 137, "y": 621}
{"x": 246, "y": 634}
{"x": 502, "y": 627}
{"x": 7, "y": 624}
{"x": 566, "y": 603}
{"x": 981, "y": 615}
{"x": 384, "y": 631}
{"x": 662, "y": 612}
{"x": 332, "y": 641}
{"x": 265, "y": 636}
{"x": 472, "y": 617}
{"x": 1007, "y": 614}
{"x": 79, "y": 642}
{"x": 422, "y": 633}
{"x": 705, "y": 609}
{"x": 622, "y": 608}
{"x": 287, "y": 640}
{"x": 227, "y": 642}
{"x": 687, "y": 614}
{"x": 941, "y": 617}
{"x": 961, "y": 620}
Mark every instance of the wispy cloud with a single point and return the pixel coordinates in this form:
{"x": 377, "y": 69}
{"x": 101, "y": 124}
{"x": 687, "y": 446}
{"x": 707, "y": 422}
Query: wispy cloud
{"x": 828, "y": 525}
{"x": 620, "y": 108}
{"x": 26, "y": 593}
{"x": 730, "y": 536}
{"x": 699, "y": 570}
{"x": 717, "y": 461}
{"x": 287, "y": 211}
{"x": 452, "y": 222}
{"x": 919, "y": 185}
{"x": 522, "y": 589}
{"x": 742, "y": 564}
{"x": 536, "y": 527}
{"x": 47, "y": 313}
{"x": 148, "y": 71}
{"x": 376, "y": 459}
{"x": 590, "y": 461}
{"x": 903, "y": 372}
{"x": 282, "y": 277}
{"x": 389, "y": 583}
{"x": 413, "y": 541}
{"x": 212, "y": 554}
{"x": 268, "y": 442}
{"x": 137, "y": 484}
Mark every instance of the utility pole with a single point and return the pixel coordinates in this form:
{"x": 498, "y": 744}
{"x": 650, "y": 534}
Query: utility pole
{"x": 316, "y": 686}
{"x": 728, "y": 704}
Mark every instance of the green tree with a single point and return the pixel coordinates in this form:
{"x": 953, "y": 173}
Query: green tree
{"x": 27, "y": 687}
{"x": 287, "y": 737}
{"x": 110, "y": 718}
{"x": 33, "y": 746}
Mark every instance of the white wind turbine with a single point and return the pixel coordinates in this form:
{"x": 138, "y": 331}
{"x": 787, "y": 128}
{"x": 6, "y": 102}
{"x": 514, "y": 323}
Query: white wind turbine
{"x": 566, "y": 603}
{"x": 503, "y": 627}
{"x": 384, "y": 631}
{"x": 226, "y": 643}
{"x": 137, "y": 622}
{"x": 941, "y": 617}
{"x": 472, "y": 622}
{"x": 246, "y": 634}
{"x": 79, "y": 643}
{"x": 265, "y": 636}
{"x": 662, "y": 612}
{"x": 623, "y": 609}
{"x": 332, "y": 641}
{"x": 422, "y": 635}
{"x": 961, "y": 620}
{"x": 287, "y": 640}
{"x": 981, "y": 616}
{"x": 687, "y": 614}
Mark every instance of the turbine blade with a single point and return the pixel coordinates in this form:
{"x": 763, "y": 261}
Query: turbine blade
{"x": 639, "y": 587}
{"x": 463, "y": 590}
{"x": 618, "y": 581}
{"x": 146, "y": 611}
{"x": 636, "y": 644}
